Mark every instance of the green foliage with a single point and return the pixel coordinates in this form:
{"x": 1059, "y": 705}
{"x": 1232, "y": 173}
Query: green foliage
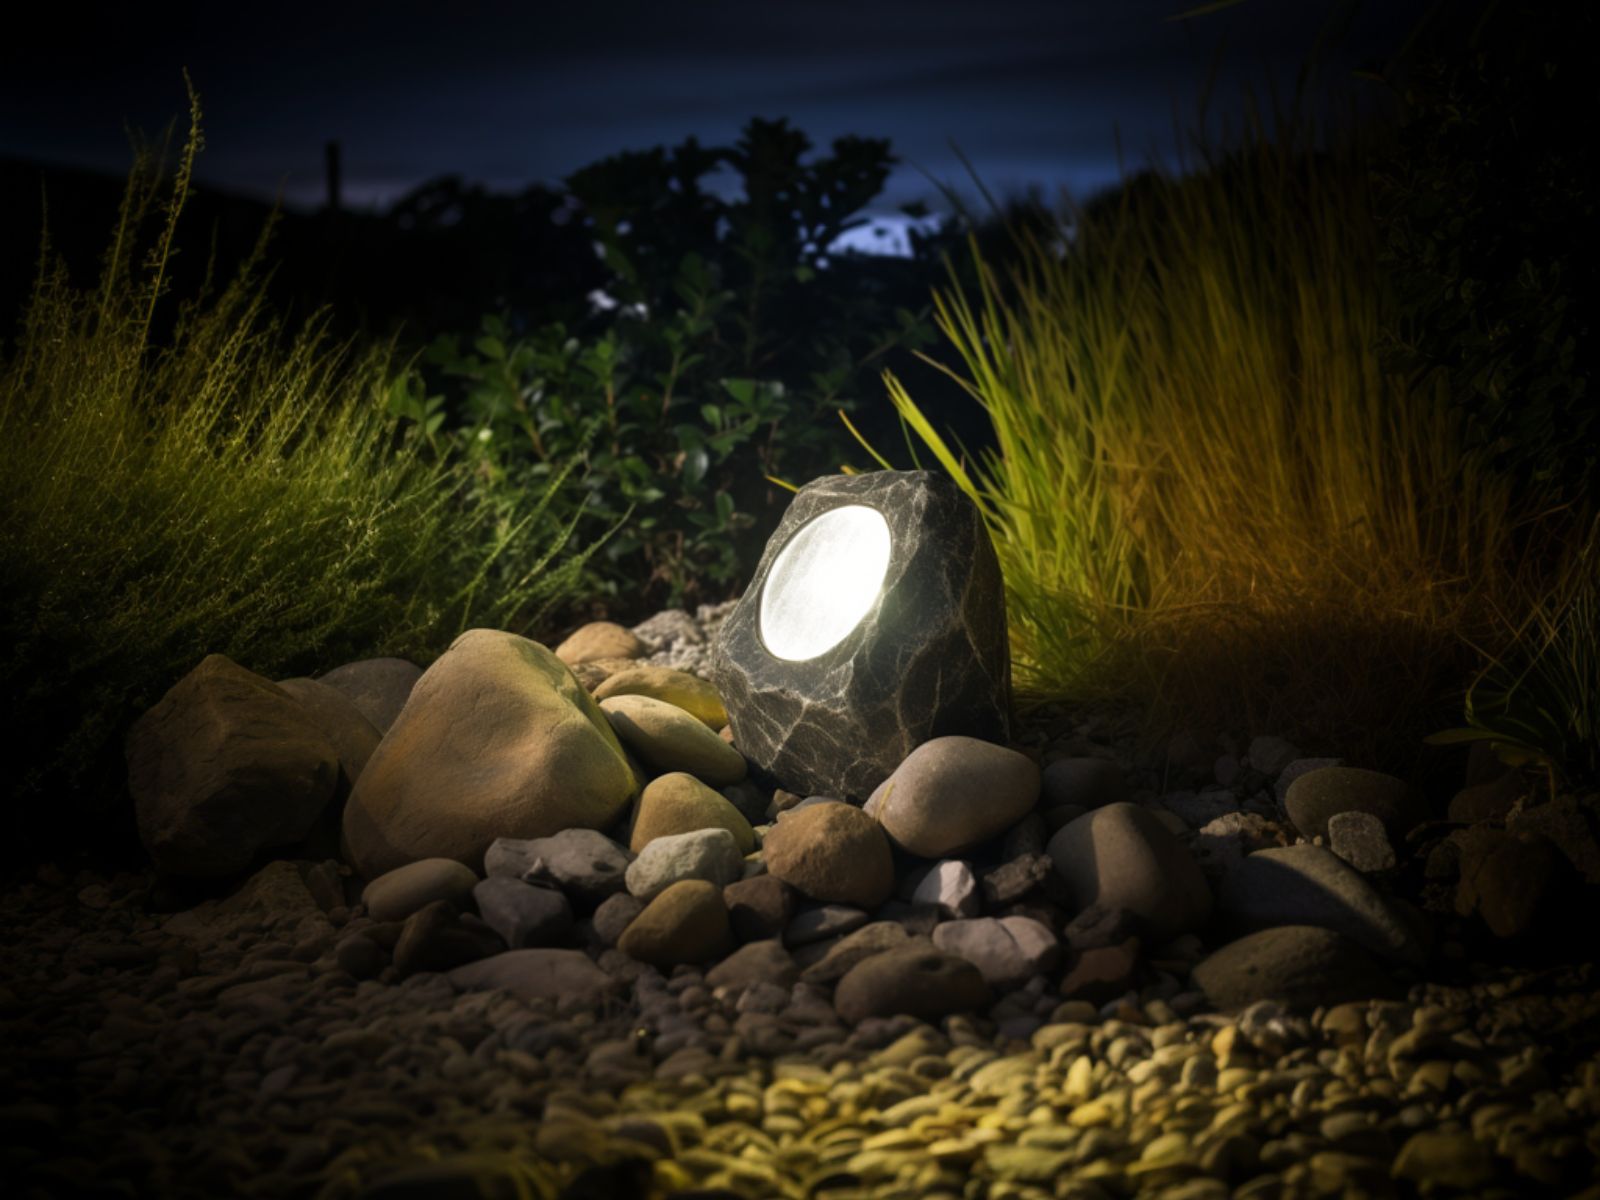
{"x": 1537, "y": 703}
{"x": 182, "y": 479}
{"x": 1492, "y": 235}
{"x": 1208, "y": 493}
{"x": 728, "y": 341}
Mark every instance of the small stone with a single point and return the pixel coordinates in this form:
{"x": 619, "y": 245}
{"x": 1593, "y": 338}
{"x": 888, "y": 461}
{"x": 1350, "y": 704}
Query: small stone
{"x": 758, "y": 962}
{"x": 687, "y": 922}
{"x": 760, "y": 907}
{"x": 1297, "y": 768}
{"x": 818, "y": 922}
{"x": 914, "y": 981}
{"x": 1270, "y": 755}
{"x": 1316, "y": 795}
{"x": 434, "y": 939}
{"x": 396, "y": 894}
{"x": 614, "y": 915}
{"x": 1121, "y": 856}
{"x": 853, "y": 948}
{"x": 584, "y": 863}
{"x": 1102, "y": 973}
{"x": 536, "y": 975}
{"x": 709, "y": 855}
{"x": 670, "y": 739}
{"x": 1444, "y": 1159}
{"x": 832, "y": 853}
{"x": 1301, "y": 966}
{"x": 679, "y": 803}
{"x": 360, "y": 956}
{"x": 950, "y": 887}
{"x": 1360, "y": 840}
{"x": 952, "y": 793}
{"x": 679, "y": 688}
{"x": 1089, "y": 783}
{"x": 522, "y": 914}
{"x": 1008, "y": 951}
{"x": 1098, "y": 926}
{"x": 1017, "y": 878}
{"x": 599, "y": 639}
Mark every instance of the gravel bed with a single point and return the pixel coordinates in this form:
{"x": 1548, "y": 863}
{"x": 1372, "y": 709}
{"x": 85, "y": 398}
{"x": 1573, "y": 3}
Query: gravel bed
{"x": 223, "y": 1052}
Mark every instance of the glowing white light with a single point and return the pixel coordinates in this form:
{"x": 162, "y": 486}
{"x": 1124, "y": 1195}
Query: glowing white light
{"x": 824, "y": 581}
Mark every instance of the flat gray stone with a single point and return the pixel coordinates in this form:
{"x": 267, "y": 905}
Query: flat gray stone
{"x": 929, "y": 659}
{"x": 707, "y": 854}
{"x": 818, "y": 922}
{"x": 584, "y": 863}
{"x": 1360, "y": 840}
{"x": 1007, "y": 950}
{"x": 522, "y": 914}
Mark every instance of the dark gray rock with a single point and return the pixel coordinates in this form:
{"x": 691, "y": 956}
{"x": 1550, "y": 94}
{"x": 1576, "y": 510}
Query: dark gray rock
{"x": 584, "y": 863}
{"x": 378, "y": 687}
{"x": 523, "y": 914}
{"x": 1009, "y": 951}
{"x": 1297, "y": 768}
{"x": 1315, "y": 796}
{"x": 1300, "y": 966}
{"x": 360, "y": 956}
{"x": 396, "y": 894}
{"x": 435, "y": 938}
{"x": 757, "y": 962}
{"x": 917, "y": 981}
{"x": 1309, "y": 885}
{"x": 816, "y": 922}
{"x": 1011, "y": 881}
{"x": 846, "y": 952}
{"x": 916, "y": 919}
{"x": 614, "y": 915}
{"x": 929, "y": 659}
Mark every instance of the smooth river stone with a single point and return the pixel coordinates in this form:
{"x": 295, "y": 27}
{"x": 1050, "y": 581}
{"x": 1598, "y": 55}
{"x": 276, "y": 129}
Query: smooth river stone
{"x": 929, "y": 659}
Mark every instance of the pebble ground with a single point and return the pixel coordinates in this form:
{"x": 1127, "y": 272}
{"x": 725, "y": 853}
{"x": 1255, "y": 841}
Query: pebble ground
{"x": 144, "y": 1056}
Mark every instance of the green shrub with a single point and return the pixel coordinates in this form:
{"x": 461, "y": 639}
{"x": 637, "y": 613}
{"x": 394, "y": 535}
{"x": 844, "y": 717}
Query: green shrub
{"x": 732, "y": 340}
{"x": 178, "y": 480}
{"x": 1208, "y": 492}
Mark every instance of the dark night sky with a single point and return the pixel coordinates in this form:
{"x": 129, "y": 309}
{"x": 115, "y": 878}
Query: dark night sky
{"x": 1033, "y": 91}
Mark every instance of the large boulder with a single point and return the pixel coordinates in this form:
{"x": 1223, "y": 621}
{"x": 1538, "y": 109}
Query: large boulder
{"x": 227, "y": 764}
{"x": 928, "y": 658}
{"x": 952, "y": 793}
{"x": 831, "y": 852}
{"x": 1123, "y": 856}
{"x": 378, "y": 687}
{"x": 497, "y": 740}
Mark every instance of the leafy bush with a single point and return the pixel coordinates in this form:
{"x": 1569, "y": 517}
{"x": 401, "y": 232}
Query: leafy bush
{"x": 1492, "y": 236}
{"x": 226, "y": 488}
{"x": 727, "y": 340}
{"x": 1208, "y": 491}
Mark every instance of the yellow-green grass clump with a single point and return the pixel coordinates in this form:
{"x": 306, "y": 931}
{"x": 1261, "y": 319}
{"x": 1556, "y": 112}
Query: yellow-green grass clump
{"x": 180, "y": 480}
{"x": 1208, "y": 494}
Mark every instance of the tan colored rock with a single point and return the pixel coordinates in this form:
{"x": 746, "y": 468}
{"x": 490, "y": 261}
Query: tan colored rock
{"x": 226, "y": 764}
{"x": 599, "y": 639}
{"x": 689, "y": 692}
{"x": 496, "y": 740}
{"x": 593, "y": 673}
{"x": 666, "y": 738}
{"x": 952, "y": 793}
{"x": 679, "y": 803}
{"x": 686, "y": 923}
{"x": 831, "y": 852}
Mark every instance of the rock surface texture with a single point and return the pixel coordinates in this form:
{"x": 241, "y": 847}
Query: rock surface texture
{"x": 952, "y": 793}
{"x": 496, "y": 740}
{"x": 929, "y": 659}
{"x": 226, "y": 765}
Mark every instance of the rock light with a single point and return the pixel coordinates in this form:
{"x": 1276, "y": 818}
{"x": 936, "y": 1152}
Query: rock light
{"x": 874, "y": 621}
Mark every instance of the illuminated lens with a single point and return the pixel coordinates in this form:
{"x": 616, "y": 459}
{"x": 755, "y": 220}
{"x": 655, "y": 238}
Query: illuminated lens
{"x": 824, "y": 581}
